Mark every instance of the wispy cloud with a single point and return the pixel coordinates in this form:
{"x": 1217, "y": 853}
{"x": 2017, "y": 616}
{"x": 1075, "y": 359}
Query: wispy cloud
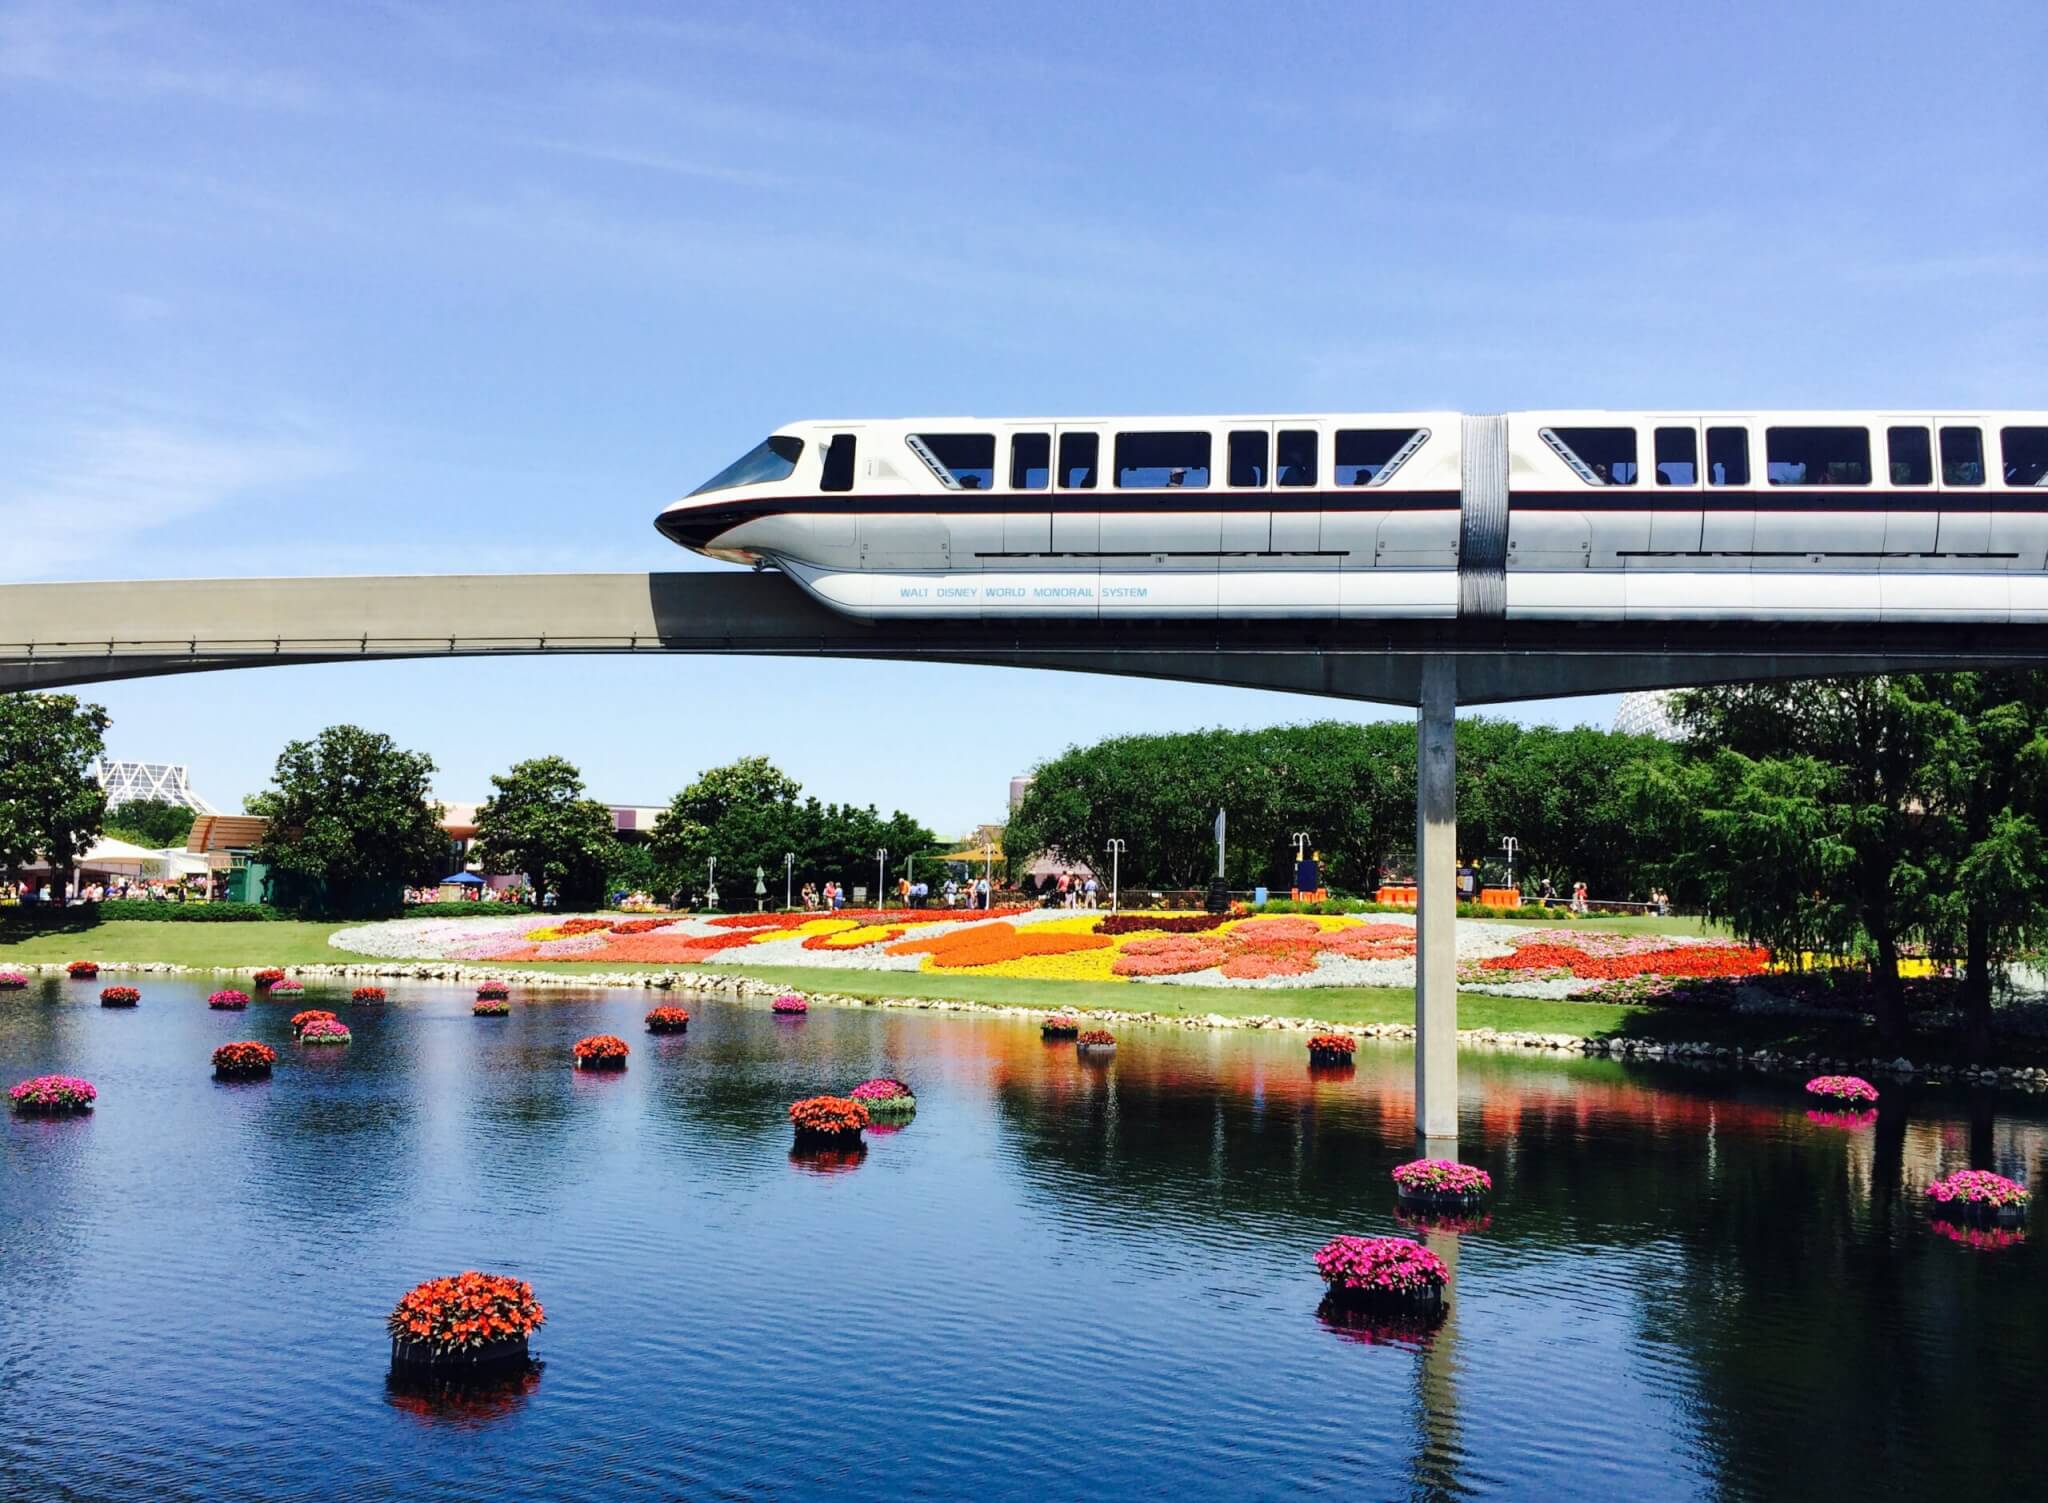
{"x": 135, "y": 50}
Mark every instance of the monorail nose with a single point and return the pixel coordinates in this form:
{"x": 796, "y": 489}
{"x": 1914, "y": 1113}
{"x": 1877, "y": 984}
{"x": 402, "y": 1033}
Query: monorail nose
{"x": 692, "y": 527}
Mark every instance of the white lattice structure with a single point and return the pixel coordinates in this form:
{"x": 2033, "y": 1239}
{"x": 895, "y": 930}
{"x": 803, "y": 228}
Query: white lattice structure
{"x": 1647, "y": 712}
{"x": 126, "y": 782}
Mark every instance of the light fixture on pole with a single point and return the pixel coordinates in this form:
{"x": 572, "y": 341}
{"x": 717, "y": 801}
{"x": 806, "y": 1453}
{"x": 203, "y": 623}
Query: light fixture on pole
{"x": 881, "y": 866}
{"x": 1509, "y": 844}
{"x": 988, "y": 870}
{"x": 1116, "y": 853}
{"x": 788, "y": 877}
{"x": 711, "y": 882}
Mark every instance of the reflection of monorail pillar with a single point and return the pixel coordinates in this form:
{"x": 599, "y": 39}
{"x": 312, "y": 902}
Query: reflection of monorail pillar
{"x": 1436, "y": 912}
{"x": 1437, "y": 1447}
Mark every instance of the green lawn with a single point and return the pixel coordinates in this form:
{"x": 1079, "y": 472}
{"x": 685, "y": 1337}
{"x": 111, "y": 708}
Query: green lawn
{"x": 282, "y": 943}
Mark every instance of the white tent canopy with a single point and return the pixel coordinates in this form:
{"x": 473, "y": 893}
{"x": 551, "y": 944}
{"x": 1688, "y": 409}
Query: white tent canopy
{"x": 119, "y": 858}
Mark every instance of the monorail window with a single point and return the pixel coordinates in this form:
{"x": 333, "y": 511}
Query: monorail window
{"x": 1248, "y": 458}
{"x": 1962, "y": 456}
{"x": 970, "y": 458}
{"x": 1728, "y": 456}
{"x": 1599, "y": 456}
{"x": 1030, "y": 461}
{"x": 1817, "y": 456}
{"x": 838, "y": 471}
{"x": 1363, "y": 454}
{"x": 1678, "y": 456}
{"x": 2026, "y": 455}
{"x": 1148, "y": 461}
{"x": 770, "y": 460}
{"x": 1295, "y": 459}
{"x": 1912, "y": 456}
{"x": 1079, "y": 455}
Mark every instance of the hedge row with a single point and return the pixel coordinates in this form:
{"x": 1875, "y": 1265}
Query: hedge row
{"x": 182, "y": 913}
{"x": 1531, "y": 911}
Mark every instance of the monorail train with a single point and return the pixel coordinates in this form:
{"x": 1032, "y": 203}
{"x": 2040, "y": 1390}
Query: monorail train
{"x": 1824, "y": 516}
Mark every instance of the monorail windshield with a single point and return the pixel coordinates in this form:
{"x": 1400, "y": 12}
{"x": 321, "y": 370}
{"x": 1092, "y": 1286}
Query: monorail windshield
{"x": 770, "y": 460}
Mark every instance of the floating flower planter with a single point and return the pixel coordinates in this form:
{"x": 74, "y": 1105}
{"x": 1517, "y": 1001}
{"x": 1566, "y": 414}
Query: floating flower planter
{"x": 884, "y": 1096}
{"x": 1442, "y": 1184}
{"x": 1849, "y": 1090}
{"x": 268, "y": 977}
{"x": 601, "y": 1051}
{"x": 367, "y": 994}
{"x": 286, "y": 988}
{"x": 667, "y": 1019}
{"x": 1978, "y": 1195}
{"x": 82, "y": 970}
{"x": 325, "y": 1031}
{"x": 493, "y": 991}
{"x": 489, "y": 1007}
{"x": 1096, "y": 1043}
{"x": 1331, "y": 1049}
{"x": 228, "y": 1000}
{"x": 245, "y": 1059}
{"x": 311, "y": 1015}
{"x": 1060, "y": 1026}
{"x": 828, "y": 1120}
{"x": 52, "y": 1096}
{"x": 789, "y": 1005}
{"x": 12, "y": 981}
{"x": 1367, "y": 1271}
{"x": 468, "y": 1323}
{"x": 119, "y": 996}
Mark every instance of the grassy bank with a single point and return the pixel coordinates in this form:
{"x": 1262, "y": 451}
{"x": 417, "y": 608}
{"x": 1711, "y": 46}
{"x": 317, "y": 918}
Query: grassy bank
{"x": 279, "y": 943}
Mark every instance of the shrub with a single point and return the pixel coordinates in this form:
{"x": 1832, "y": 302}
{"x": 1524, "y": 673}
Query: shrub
{"x": 12, "y": 981}
{"x": 325, "y": 1031}
{"x": 1331, "y": 1048}
{"x": 227, "y": 999}
{"x": 82, "y": 970}
{"x": 470, "y": 908}
{"x": 367, "y": 994}
{"x": 789, "y": 1004}
{"x": 1387, "y": 1267}
{"x": 884, "y": 1094}
{"x": 1842, "y": 1088}
{"x": 311, "y": 1015}
{"x": 1097, "y": 1038}
{"x": 601, "y": 1051}
{"x": 268, "y": 976}
{"x": 828, "y": 1117}
{"x": 1174, "y": 923}
{"x": 463, "y": 1314}
{"x": 51, "y": 1095}
{"x": 1060, "y": 1026}
{"x": 493, "y": 991}
{"x": 489, "y": 1007}
{"x": 243, "y": 1058}
{"x": 667, "y": 1019}
{"x": 134, "y": 910}
{"x": 1441, "y": 1179}
{"x": 119, "y": 996}
{"x": 1978, "y": 1189}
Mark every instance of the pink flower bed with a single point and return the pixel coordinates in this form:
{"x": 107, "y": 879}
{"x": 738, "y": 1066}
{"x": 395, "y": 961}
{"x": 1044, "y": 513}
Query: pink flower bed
{"x": 12, "y": 981}
{"x": 1442, "y": 1179}
{"x": 1978, "y": 1189}
{"x": 49, "y": 1095}
{"x": 1381, "y": 1267}
{"x": 227, "y": 999}
{"x": 789, "y": 1004}
{"x": 1843, "y": 1088}
{"x": 884, "y": 1094}
{"x": 324, "y": 1031}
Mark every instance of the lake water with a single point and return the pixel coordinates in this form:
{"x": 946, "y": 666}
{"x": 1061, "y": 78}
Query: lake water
{"x": 1062, "y": 1280}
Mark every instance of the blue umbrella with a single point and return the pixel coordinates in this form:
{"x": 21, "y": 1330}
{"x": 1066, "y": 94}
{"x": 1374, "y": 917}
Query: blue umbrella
{"x": 463, "y": 879}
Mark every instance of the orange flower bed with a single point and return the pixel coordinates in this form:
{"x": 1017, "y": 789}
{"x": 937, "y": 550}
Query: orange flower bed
{"x": 668, "y": 1019}
{"x": 1674, "y": 960}
{"x": 828, "y": 1116}
{"x": 637, "y": 926}
{"x": 455, "y": 1316}
{"x": 243, "y": 1057}
{"x": 601, "y": 1051}
{"x": 991, "y": 944}
{"x": 1171, "y": 955}
{"x": 311, "y": 1015}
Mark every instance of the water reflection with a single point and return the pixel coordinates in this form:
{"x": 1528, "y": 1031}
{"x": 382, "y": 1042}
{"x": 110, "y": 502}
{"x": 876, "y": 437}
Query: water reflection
{"x": 461, "y": 1403}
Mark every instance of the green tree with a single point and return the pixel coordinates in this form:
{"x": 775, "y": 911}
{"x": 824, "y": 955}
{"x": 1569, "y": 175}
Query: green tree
{"x": 352, "y": 821}
{"x": 539, "y": 824}
{"x": 152, "y": 822}
{"x": 50, "y": 804}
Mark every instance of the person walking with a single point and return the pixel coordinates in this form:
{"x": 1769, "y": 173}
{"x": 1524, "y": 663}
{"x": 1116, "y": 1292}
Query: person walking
{"x": 1579, "y": 899}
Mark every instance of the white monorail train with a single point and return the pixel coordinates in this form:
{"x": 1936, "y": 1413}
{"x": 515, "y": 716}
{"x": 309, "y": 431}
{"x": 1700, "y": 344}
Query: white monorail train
{"x": 1824, "y": 516}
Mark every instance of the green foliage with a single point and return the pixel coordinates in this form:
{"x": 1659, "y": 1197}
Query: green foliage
{"x": 152, "y": 822}
{"x": 539, "y": 824}
{"x": 185, "y": 913}
{"x": 50, "y": 806}
{"x": 351, "y": 820}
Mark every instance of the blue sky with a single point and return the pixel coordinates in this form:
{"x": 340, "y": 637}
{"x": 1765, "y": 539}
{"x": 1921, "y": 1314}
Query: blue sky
{"x": 392, "y": 288}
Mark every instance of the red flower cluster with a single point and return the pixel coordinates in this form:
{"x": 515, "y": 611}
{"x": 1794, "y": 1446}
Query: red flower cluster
{"x": 311, "y": 1015}
{"x": 493, "y": 991}
{"x": 1060, "y": 1026}
{"x": 638, "y": 926}
{"x": 667, "y": 1019}
{"x": 244, "y": 1057}
{"x": 828, "y": 1116}
{"x": 119, "y": 996}
{"x": 1096, "y": 1037}
{"x": 269, "y": 976}
{"x": 601, "y": 1051}
{"x": 570, "y": 928}
{"x": 52, "y": 1095}
{"x": 82, "y": 970}
{"x": 456, "y": 1315}
{"x": 367, "y": 994}
{"x": 1672, "y": 960}
{"x": 1380, "y": 1266}
{"x": 1845, "y": 1088}
{"x": 1175, "y": 923}
{"x": 1331, "y": 1048}
{"x": 227, "y": 999}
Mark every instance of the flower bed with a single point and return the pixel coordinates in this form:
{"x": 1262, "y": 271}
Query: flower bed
{"x": 470, "y": 1320}
{"x": 490, "y": 1007}
{"x": 52, "y": 1096}
{"x": 789, "y": 1004}
{"x": 227, "y": 999}
{"x": 493, "y": 991}
{"x": 12, "y": 981}
{"x": 286, "y": 988}
{"x": 1331, "y": 1048}
{"x": 119, "y": 996}
{"x": 1060, "y": 1026}
{"x": 1094, "y": 1041}
{"x": 884, "y": 1094}
{"x": 601, "y": 1051}
{"x": 1847, "y": 1089}
{"x": 244, "y": 1059}
{"x": 325, "y": 1031}
{"x": 82, "y": 970}
{"x": 1161, "y": 923}
{"x": 300, "y": 1020}
{"x": 267, "y": 977}
{"x": 1441, "y": 1182}
{"x": 1980, "y": 1195}
{"x": 668, "y": 1019}
{"x": 828, "y": 1119}
{"x": 1367, "y": 1270}
{"x": 367, "y": 994}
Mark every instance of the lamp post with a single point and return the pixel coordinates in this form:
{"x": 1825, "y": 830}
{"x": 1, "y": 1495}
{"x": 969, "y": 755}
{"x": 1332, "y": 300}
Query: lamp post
{"x": 881, "y": 869}
{"x": 1116, "y": 853}
{"x": 788, "y": 877}
{"x": 1509, "y": 844}
{"x": 711, "y": 882}
{"x": 988, "y": 869}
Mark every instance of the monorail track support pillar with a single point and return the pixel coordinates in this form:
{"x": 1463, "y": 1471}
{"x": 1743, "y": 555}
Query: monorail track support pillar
{"x": 1436, "y": 909}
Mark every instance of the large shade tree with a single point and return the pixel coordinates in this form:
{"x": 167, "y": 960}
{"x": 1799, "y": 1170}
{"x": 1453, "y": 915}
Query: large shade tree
{"x": 540, "y": 824}
{"x": 153, "y": 822}
{"x": 51, "y": 806}
{"x": 352, "y": 821}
